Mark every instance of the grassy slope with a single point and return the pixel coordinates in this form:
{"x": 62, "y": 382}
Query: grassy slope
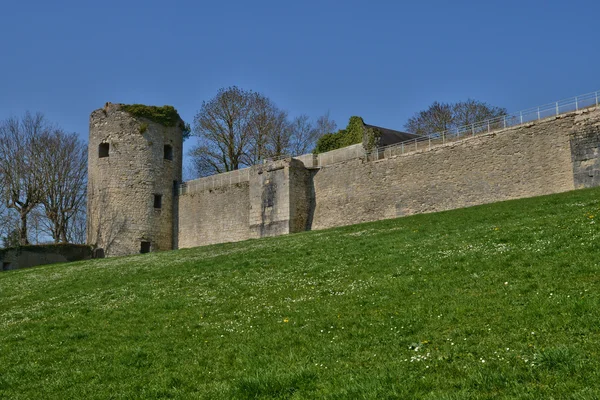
{"x": 493, "y": 301}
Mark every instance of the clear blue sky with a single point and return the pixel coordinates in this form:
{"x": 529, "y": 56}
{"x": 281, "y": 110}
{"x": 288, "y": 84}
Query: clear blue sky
{"x": 382, "y": 60}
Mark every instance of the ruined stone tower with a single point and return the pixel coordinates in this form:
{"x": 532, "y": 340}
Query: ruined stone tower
{"x": 135, "y": 164}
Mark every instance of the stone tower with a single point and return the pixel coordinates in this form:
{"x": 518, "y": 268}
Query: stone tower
{"x": 134, "y": 168}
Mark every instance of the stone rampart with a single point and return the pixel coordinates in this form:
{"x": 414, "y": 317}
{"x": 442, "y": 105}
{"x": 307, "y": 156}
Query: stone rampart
{"x": 548, "y": 156}
{"x": 342, "y": 187}
{"x": 264, "y": 200}
{"x": 525, "y": 161}
{"x": 134, "y": 170}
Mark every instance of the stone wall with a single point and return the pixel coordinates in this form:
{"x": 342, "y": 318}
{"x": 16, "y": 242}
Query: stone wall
{"x": 218, "y": 215}
{"x": 275, "y": 200}
{"x": 30, "y": 256}
{"x": 340, "y": 155}
{"x": 525, "y": 161}
{"x": 291, "y": 195}
{"x": 585, "y": 151}
{"x": 549, "y": 156}
{"x": 122, "y": 184}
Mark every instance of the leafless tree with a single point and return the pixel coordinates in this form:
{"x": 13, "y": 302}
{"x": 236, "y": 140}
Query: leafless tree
{"x": 304, "y": 134}
{"x": 63, "y": 163}
{"x": 270, "y": 131}
{"x": 441, "y": 117}
{"x": 223, "y": 128}
{"x": 324, "y": 125}
{"x": 77, "y": 227}
{"x": 20, "y": 173}
{"x": 437, "y": 118}
{"x": 239, "y": 128}
{"x": 9, "y": 226}
{"x": 473, "y": 111}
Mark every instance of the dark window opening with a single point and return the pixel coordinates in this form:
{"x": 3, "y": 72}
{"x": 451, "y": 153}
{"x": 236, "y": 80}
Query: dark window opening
{"x": 175, "y": 188}
{"x": 168, "y": 152}
{"x": 145, "y": 247}
{"x": 5, "y": 266}
{"x": 98, "y": 253}
{"x": 157, "y": 201}
{"x": 103, "y": 150}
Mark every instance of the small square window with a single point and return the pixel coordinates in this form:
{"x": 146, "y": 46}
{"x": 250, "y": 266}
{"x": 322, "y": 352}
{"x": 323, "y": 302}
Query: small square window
{"x": 168, "y": 152}
{"x": 145, "y": 247}
{"x": 157, "y": 201}
{"x": 5, "y": 266}
{"x": 103, "y": 150}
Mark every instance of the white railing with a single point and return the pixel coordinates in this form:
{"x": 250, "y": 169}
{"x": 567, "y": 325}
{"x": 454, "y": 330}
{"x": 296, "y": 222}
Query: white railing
{"x": 507, "y": 121}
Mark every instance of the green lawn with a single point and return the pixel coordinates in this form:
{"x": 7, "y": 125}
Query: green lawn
{"x": 495, "y": 301}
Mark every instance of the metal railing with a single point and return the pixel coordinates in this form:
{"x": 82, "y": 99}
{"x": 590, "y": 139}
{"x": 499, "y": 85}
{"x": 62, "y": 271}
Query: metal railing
{"x": 507, "y": 121}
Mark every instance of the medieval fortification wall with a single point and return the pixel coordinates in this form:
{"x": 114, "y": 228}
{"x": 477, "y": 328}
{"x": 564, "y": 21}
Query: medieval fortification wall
{"x": 551, "y": 155}
{"x": 134, "y": 165}
{"x": 543, "y": 157}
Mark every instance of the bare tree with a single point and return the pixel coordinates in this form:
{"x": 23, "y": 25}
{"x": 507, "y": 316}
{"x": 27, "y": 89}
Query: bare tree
{"x": 473, "y": 111}
{"x": 239, "y": 128}
{"x": 223, "y": 128}
{"x": 278, "y": 137}
{"x": 269, "y": 127}
{"x": 9, "y": 226}
{"x": 441, "y": 117}
{"x": 63, "y": 163}
{"x": 303, "y": 135}
{"x": 20, "y": 147}
{"x": 437, "y": 118}
{"x": 324, "y": 125}
{"x": 77, "y": 227}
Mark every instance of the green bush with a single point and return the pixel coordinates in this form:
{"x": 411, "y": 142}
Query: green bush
{"x": 165, "y": 116}
{"x": 353, "y": 134}
{"x": 330, "y": 141}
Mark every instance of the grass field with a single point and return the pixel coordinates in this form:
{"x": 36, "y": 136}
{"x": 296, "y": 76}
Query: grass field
{"x": 495, "y": 301}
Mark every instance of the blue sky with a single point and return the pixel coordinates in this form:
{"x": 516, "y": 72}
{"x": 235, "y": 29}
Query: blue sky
{"x": 382, "y": 60}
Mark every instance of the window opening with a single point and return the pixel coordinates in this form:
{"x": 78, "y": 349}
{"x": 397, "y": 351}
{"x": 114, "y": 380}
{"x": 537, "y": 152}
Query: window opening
{"x": 157, "y": 201}
{"x": 103, "y": 150}
{"x": 98, "y": 253}
{"x": 145, "y": 247}
{"x": 5, "y": 266}
{"x": 168, "y": 152}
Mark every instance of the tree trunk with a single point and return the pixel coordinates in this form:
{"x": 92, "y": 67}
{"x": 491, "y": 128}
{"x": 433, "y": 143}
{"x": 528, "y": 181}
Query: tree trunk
{"x": 23, "y": 231}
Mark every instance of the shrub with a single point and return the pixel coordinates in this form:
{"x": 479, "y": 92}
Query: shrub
{"x": 353, "y": 134}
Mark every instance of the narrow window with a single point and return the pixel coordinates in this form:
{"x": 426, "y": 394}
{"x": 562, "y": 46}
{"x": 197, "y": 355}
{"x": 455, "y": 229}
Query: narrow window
{"x": 157, "y": 201}
{"x": 175, "y": 188}
{"x": 103, "y": 150}
{"x": 168, "y": 152}
{"x": 145, "y": 247}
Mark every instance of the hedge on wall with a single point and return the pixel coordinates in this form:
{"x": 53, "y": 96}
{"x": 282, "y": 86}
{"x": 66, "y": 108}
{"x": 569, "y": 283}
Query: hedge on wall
{"x": 165, "y": 115}
{"x": 354, "y": 133}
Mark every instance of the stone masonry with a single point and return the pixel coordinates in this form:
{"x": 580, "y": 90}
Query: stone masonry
{"x": 292, "y": 195}
{"x": 134, "y": 168}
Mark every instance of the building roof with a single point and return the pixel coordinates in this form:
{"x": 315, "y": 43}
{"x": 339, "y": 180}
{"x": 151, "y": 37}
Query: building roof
{"x": 390, "y": 136}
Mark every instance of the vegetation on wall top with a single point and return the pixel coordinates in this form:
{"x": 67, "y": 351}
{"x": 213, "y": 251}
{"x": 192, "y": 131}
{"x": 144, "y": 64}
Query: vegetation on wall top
{"x": 165, "y": 115}
{"x": 353, "y": 134}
